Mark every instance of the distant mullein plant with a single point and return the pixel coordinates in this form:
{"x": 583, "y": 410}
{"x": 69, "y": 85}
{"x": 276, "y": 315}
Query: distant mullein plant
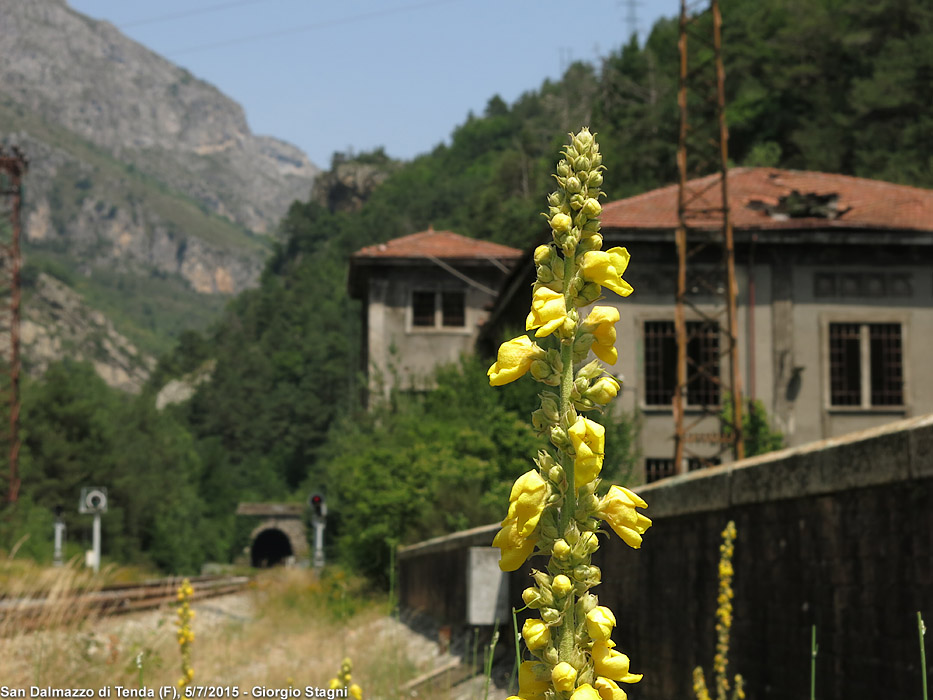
{"x": 723, "y": 626}
{"x": 185, "y": 634}
{"x": 554, "y": 509}
{"x": 344, "y": 680}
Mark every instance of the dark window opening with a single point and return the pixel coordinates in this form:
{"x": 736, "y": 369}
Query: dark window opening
{"x": 661, "y": 363}
{"x": 658, "y": 468}
{"x": 887, "y": 379}
{"x": 877, "y": 378}
{"x": 453, "y": 309}
{"x": 422, "y": 308}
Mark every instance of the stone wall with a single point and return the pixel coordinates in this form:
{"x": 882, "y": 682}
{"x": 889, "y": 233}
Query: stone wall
{"x": 835, "y": 534}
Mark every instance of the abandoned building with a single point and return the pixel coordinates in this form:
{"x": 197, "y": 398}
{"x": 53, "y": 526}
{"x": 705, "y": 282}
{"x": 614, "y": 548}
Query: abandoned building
{"x": 424, "y": 297}
{"x": 835, "y": 305}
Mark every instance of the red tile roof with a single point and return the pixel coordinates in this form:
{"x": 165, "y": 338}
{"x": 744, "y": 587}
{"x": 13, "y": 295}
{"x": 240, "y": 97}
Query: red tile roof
{"x": 444, "y": 245}
{"x": 862, "y": 203}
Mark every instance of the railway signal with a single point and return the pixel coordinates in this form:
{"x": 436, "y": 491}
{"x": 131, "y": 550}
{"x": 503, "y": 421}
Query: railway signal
{"x": 318, "y": 508}
{"x": 93, "y": 501}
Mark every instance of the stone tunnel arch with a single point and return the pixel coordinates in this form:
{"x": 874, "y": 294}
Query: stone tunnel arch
{"x": 277, "y": 542}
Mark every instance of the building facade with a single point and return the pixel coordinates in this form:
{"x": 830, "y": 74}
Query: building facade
{"x": 425, "y": 297}
{"x": 835, "y": 306}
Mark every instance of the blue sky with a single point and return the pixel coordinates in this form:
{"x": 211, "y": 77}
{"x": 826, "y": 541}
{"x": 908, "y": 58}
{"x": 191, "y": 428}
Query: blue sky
{"x": 331, "y": 76}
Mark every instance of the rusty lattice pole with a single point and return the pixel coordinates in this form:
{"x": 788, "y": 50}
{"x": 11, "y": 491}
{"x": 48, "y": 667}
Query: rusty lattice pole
{"x": 12, "y": 169}
{"x": 706, "y": 283}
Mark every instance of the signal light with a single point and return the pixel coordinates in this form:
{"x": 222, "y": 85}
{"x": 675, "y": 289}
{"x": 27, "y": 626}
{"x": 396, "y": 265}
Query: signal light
{"x": 318, "y": 507}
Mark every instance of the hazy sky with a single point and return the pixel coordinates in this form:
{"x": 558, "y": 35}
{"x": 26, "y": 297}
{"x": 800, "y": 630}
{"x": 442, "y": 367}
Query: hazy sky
{"x": 329, "y": 76}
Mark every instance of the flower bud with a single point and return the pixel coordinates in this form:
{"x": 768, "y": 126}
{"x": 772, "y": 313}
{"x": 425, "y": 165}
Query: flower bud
{"x": 559, "y": 437}
{"x": 564, "y": 676}
{"x": 542, "y": 254}
{"x": 556, "y": 474}
{"x": 591, "y": 208}
{"x": 540, "y": 370}
{"x": 551, "y": 656}
{"x": 587, "y": 602}
{"x": 573, "y": 186}
{"x": 532, "y": 597}
{"x": 561, "y": 223}
{"x": 545, "y": 276}
{"x": 595, "y": 179}
{"x": 581, "y": 164}
{"x": 590, "y": 371}
{"x": 603, "y": 391}
{"x": 550, "y": 615}
{"x": 536, "y": 634}
{"x": 562, "y": 585}
{"x": 583, "y": 141}
{"x": 576, "y": 201}
{"x": 563, "y": 168}
{"x": 561, "y": 550}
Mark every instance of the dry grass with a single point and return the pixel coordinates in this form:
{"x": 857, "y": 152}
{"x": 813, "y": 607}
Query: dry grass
{"x": 289, "y": 628}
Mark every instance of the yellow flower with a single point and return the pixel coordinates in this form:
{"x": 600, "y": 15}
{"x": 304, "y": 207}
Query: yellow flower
{"x": 527, "y": 500}
{"x": 564, "y": 676}
{"x": 513, "y": 360}
{"x": 536, "y": 634}
{"x": 334, "y": 684}
{"x": 606, "y": 267}
{"x": 603, "y": 319}
{"x": 588, "y": 439}
{"x": 532, "y": 680}
{"x": 618, "y": 509}
{"x": 599, "y": 623}
{"x": 356, "y": 692}
{"x": 609, "y": 689}
{"x": 548, "y": 311}
{"x": 585, "y": 692}
{"x": 515, "y": 548}
{"x": 612, "y": 664}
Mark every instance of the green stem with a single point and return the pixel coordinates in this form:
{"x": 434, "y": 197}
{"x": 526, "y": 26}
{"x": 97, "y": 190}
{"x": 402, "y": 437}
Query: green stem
{"x": 923, "y": 655}
{"x": 813, "y": 651}
{"x": 518, "y": 651}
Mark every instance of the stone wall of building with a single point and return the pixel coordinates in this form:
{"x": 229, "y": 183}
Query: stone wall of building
{"x": 837, "y": 534}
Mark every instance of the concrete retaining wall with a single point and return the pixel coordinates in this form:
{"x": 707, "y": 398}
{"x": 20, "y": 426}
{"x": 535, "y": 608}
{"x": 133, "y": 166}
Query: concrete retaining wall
{"x": 837, "y": 533}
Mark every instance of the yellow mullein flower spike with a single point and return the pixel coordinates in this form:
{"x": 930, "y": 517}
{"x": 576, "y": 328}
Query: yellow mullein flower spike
{"x": 618, "y": 509}
{"x": 602, "y": 320}
{"x": 514, "y": 359}
{"x": 588, "y": 439}
{"x": 606, "y": 268}
{"x": 548, "y": 312}
{"x": 552, "y": 510}
{"x": 356, "y": 692}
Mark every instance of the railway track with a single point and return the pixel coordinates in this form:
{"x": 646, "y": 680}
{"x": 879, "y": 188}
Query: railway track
{"x": 28, "y": 613}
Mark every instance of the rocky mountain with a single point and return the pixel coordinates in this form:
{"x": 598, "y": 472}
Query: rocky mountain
{"x": 145, "y": 184}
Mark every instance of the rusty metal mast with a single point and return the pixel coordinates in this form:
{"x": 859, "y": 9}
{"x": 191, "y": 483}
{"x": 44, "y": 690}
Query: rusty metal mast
{"x": 12, "y": 168}
{"x": 706, "y": 284}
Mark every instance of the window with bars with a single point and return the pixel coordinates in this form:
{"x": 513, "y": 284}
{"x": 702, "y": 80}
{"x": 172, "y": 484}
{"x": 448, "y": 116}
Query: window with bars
{"x": 445, "y": 309}
{"x": 661, "y": 467}
{"x": 661, "y": 363}
{"x": 866, "y": 364}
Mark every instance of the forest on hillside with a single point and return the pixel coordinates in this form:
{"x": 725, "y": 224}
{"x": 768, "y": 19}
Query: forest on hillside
{"x": 817, "y": 84}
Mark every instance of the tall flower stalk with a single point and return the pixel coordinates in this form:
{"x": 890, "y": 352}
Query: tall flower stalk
{"x": 185, "y": 634}
{"x": 723, "y": 626}
{"x": 554, "y": 509}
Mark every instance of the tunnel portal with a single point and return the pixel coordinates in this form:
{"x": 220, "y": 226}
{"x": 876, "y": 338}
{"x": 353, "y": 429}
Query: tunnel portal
{"x": 270, "y": 548}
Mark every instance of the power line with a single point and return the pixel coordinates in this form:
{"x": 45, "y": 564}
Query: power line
{"x": 310, "y": 27}
{"x": 188, "y": 13}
